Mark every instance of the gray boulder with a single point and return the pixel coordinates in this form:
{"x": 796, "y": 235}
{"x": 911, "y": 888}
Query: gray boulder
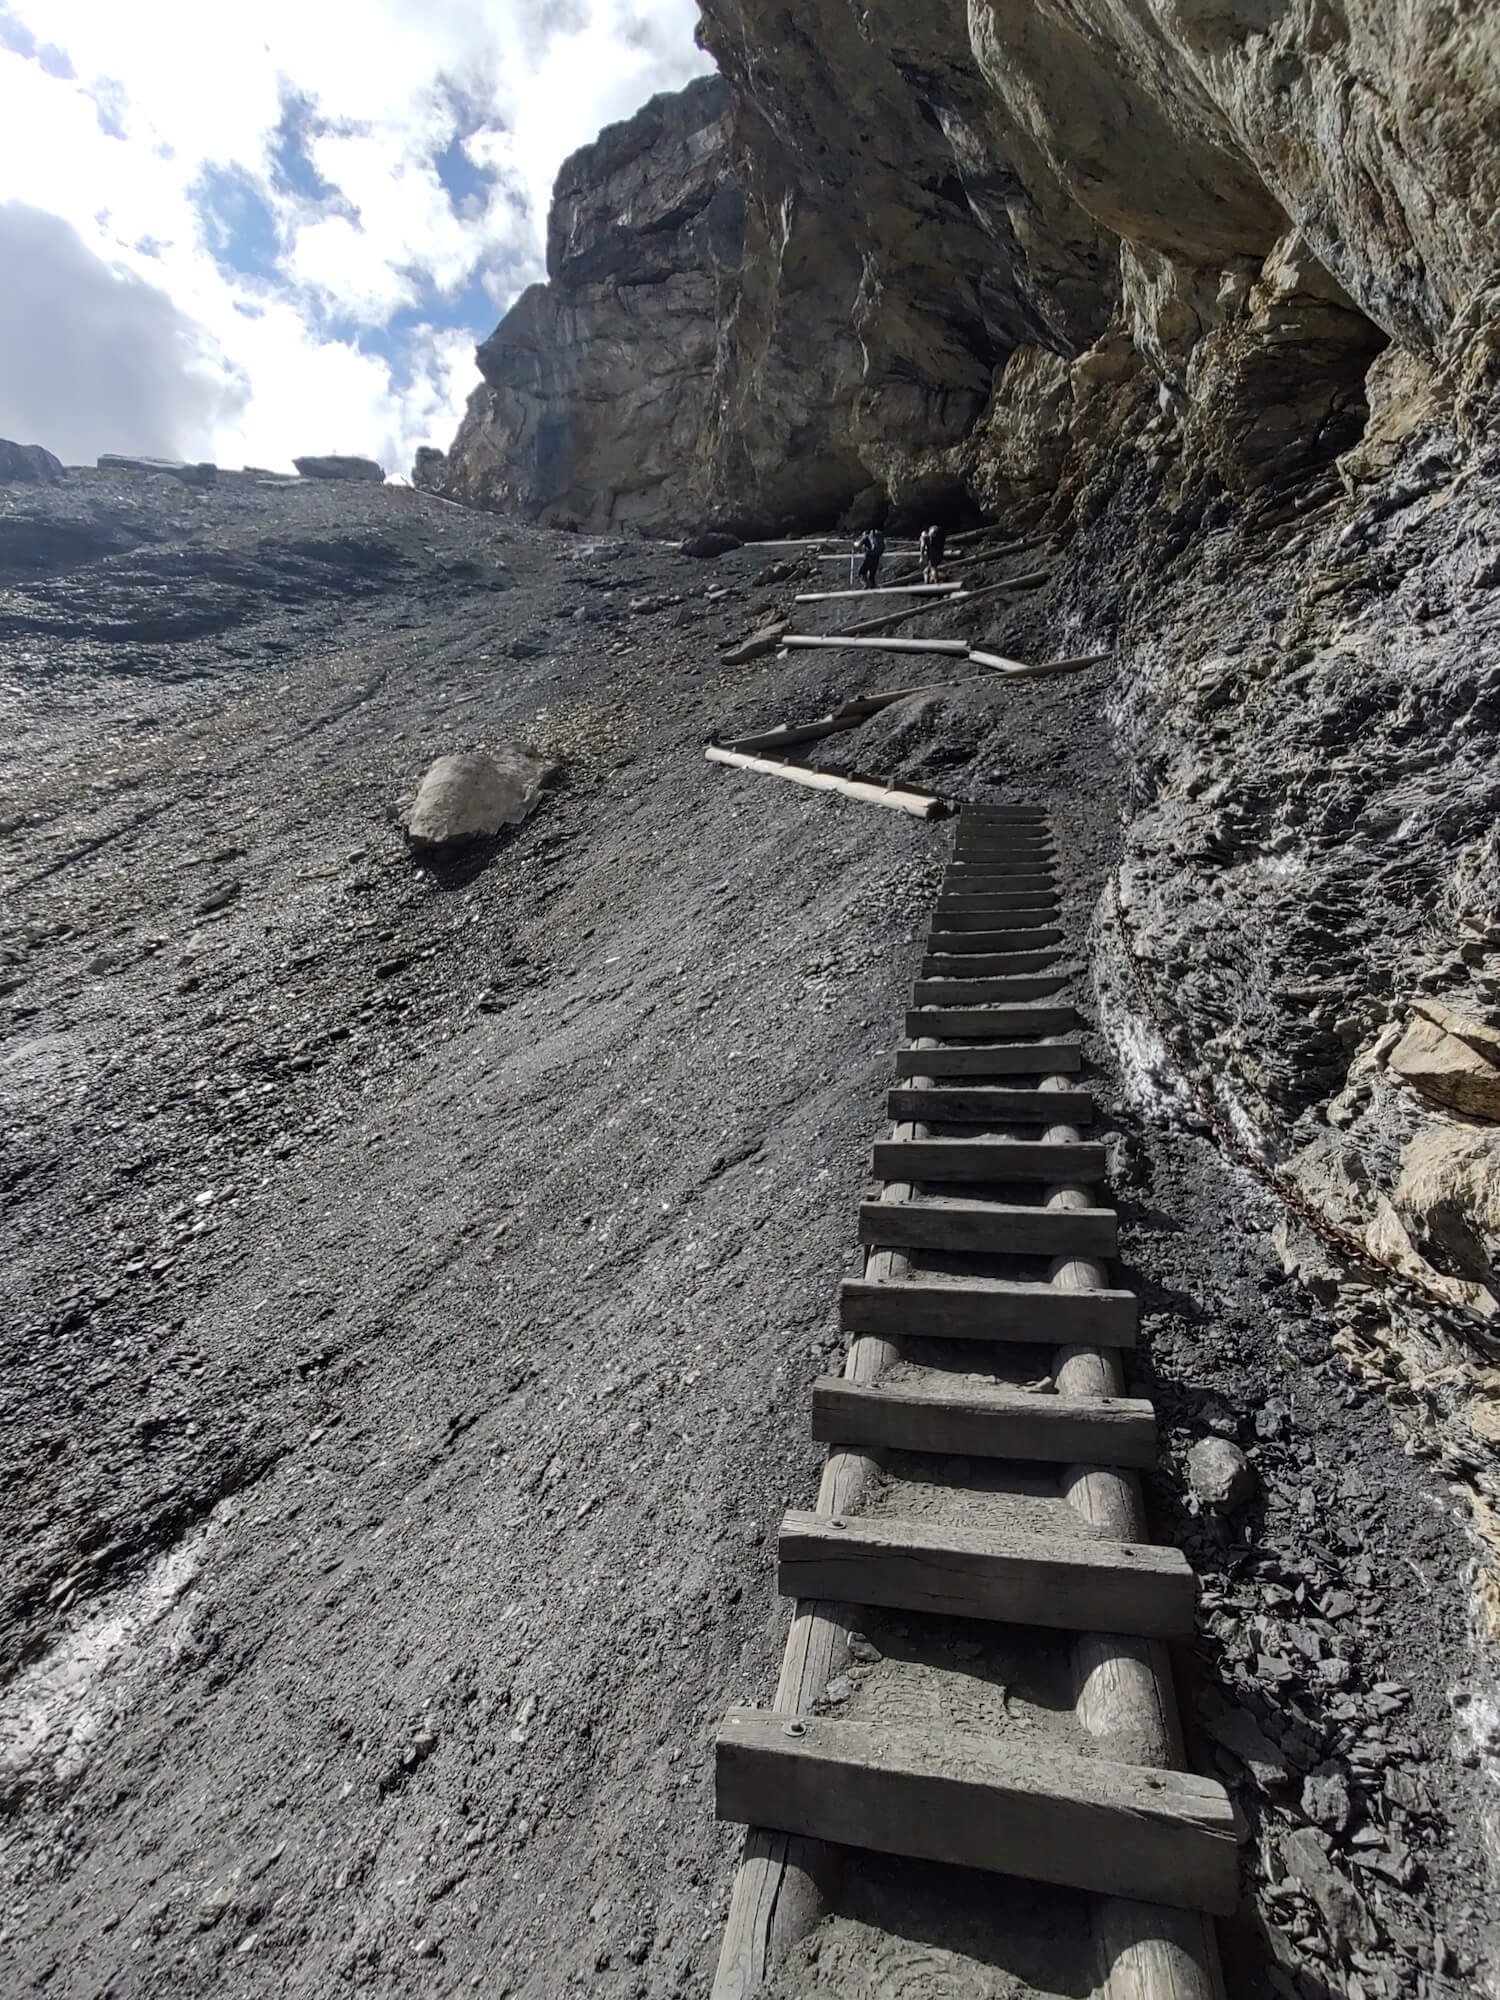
{"x": 712, "y": 542}
{"x": 28, "y": 465}
{"x": 332, "y": 466}
{"x": 201, "y": 475}
{"x": 471, "y": 794}
{"x": 1220, "y": 1474}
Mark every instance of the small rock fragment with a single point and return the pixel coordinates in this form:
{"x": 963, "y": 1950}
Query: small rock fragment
{"x": 1220, "y": 1474}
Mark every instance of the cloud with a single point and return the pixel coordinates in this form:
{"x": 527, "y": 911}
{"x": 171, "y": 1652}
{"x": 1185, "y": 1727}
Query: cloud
{"x": 94, "y": 359}
{"x": 332, "y": 200}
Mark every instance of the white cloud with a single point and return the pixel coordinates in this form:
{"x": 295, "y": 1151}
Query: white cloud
{"x": 171, "y": 102}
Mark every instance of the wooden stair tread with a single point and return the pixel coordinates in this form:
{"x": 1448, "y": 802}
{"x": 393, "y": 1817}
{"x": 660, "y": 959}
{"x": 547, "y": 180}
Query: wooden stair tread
{"x": 994, "y": 899}
{"x": 944, "y": 1795}
{"x": 1000, "y": 1309}
{"x": 989, "y": 1228}
{"x": 949, "y": 1569}
{"x": 991, "y": 1059}
{"x": 999, "y": 938}
{"x": 974, "y": 1419}
{"x": 989, "y": 1159}
{"x": 987, "y": 1104}
{"x": 977, "y": 1023}
{"x": 1039, "y": 923}
{"x": 988, "y": 964}
{"x": 990, "y": 992}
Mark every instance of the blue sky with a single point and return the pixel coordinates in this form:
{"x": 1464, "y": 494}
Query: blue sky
{"x": 242, "y": 234}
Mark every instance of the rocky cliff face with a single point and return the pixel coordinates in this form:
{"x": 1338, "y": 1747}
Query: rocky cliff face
{"x": 1205, "y": 291}
{"x": 598, "y": 385}
{"x": 865, "y": 260}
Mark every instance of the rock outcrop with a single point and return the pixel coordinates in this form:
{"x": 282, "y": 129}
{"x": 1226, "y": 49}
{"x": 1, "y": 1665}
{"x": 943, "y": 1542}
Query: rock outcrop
{"x": 598, "y": 385}
{"x": 883, "y": 250}
{"x": 335, "y": 466}
{"x": 28, "y": 465}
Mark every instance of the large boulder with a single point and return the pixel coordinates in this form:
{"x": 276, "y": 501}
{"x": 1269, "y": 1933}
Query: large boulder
{"x": 334, "y": 466}
{"x": 201, "y": 475}
{"x": 1451, "y": 1058}
{"x": 471, "y": 794}
{"x": 712, "y": 542}
{"x": 28, "y": 465}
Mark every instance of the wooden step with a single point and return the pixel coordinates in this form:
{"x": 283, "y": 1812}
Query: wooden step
{"x": 986, "y": 992}
{"x": 992, "y": 1059}
{"x": 978, "y": 1023}
{"x": 989, "y": 1228}
{"x": 1007, "y": 935}
{"x": 987, "y": 1104}
{"x": 987, "y": 1309}
{"x": 1070, "y": 1583}
{"x": 1041, "y": 902}
{"x": 980, "y": 872}
{"x": 988, "y": 1160}
{"x": 987, "y": 964}
{"x": 1003, "y": 840}
{"x": 969, "y": 1419}
{"x": 996, "y": 882}
{"x": 937, "y": 1794}
{"x": 1003, "y": 816}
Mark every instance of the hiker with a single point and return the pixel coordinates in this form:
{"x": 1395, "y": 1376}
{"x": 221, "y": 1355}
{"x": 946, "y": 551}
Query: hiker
{"x": 934, "y": 540}
{"x": 873, "y": 544}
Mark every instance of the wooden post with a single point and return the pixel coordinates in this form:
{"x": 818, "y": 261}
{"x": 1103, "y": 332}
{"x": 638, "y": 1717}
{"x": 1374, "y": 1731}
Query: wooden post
{"x": 1124, "y": 1694}
{"x": 783, "y": 1883}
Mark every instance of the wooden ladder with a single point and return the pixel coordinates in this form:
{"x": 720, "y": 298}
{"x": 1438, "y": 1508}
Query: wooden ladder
{"x": 990, "y": 1046}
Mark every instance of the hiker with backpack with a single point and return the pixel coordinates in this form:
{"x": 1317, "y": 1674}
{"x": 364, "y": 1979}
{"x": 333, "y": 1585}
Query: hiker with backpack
{"x": 872, "y": 542}
{"x": 930, "y": 548}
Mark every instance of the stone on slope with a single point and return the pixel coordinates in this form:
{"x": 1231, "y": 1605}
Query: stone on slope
{"x": 1220, "y": 1474}
{"x": 335, "y": 466}
{"x": 1451, "y": 1058}
{"x": 28, "y": 465}
{"x": 202, "y": 474}
{"x": 766, "y": 639}
{"x": 712, "y": 542}
{"x": 471, "y": 794}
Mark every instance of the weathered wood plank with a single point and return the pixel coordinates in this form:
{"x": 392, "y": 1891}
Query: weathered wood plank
{"x": 986, "y": 965}
{"x": 991, "y": 1059}
{"x": 966, "y": 1419}
{"x": 1041, "y": 903}
{"x": 987, "y": 1309}
{"x": 953, "y": 648}
{"x": 977, "y": 1023}
{"x": 972, "y": 879}
{"x": 987, "y": 1104}
{"x": 999, "y": 937}
{"x": 883, "y": 590}
{"x": 987, "y": 992}
{"x": 989, "y": 1228}
{"x": 988, "y": 1160}
{"x": 918, "y": 804}
{"x": 934, "y": 1794}
{"x": 1066, "y": 1583}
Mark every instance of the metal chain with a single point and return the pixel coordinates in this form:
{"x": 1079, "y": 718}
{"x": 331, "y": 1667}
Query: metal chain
{"x": 1344, "y": 1241}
